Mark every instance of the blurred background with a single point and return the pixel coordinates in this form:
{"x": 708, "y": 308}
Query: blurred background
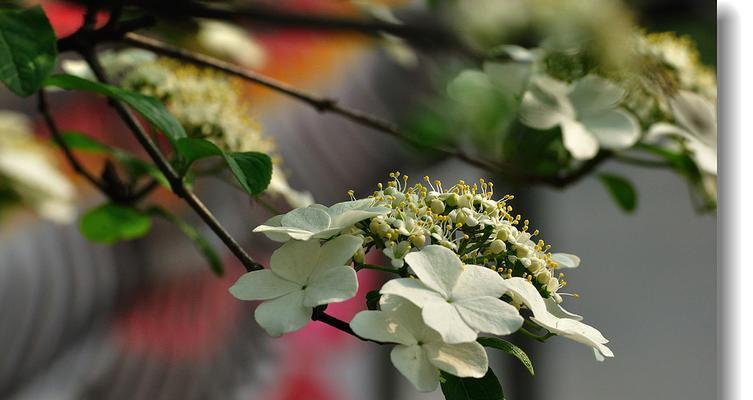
{"x": 145, "y": 319}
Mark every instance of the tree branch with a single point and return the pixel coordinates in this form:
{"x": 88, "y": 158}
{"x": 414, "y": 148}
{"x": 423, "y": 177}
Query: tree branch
{"x": 320, "y": 315}
{"x": 176, "y": 182}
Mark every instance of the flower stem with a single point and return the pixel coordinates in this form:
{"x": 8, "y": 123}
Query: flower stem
{"x": 360, "y": 266}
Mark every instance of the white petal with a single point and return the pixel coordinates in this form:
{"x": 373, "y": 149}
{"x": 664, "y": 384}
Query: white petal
{"x": 262, "y": 285}
{"x": 476, "y": 281}
{"x": 274, "y": 231}
{"x": 537, "y": 114}
{"x": 704, "y": 155}
{"x": 490, "y": 315}
{"x": 556, "y": 309}
{"x": 338, "y": 251}
{"x": 294, "y": 260}
{"x": 412, "y": 362}
{"x": 594, "y": 95}
{"x": 509, "y": 77}
{"x": 581, "y": 144}
{"x": 437, "y": 267}
{"x": 331, "y": 285}
{"x": 470, "y": 87}
{"x": 311, "y": 219}
{"x": 444, "y": 318}
{"x": 527, "y": 293}
{"x": 696, "y": 114}
{"x": 412, "y": 290}
{"x": 381, "y": 326}
{"x": 284, "y": 314}
{"x": 661, "y": 129}
{"x": 409, "y": 317}
{"x": 615, "y": 129}
{"x": 565, "y": 260}
{"x": 462, "y": 360}
{"x": 348, "y": 213}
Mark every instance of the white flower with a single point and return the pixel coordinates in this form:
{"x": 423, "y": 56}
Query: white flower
{"x": 696, "y": 117}
{"x": 229, "y": 41}
{"x": 301, "y": 276}
{"x": 565, "y": 260}
{"x": 555, "y": 319}
{"x": 319, "y": 222}
{"x": 586, "y": 111}
{"x": 420, "y": 352}
{"x": 457, "y": 301}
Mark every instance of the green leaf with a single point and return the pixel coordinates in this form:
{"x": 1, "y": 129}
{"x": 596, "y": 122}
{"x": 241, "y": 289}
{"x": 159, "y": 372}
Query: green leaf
{"x": 252, "y": 170}
{"x": 110, "y": 223}
{"x": 80, "y": 141}
{"x": 622, "y": 191}
{"x": 201, "y": 243}
{"x": 486, "y": 388}
{"x": 152, "y": 109}
{"x": 28, "y": 49}
{"x": 194, "y": 149}
{"x": 509, "y": 348}
{"x": 372, "y": 299}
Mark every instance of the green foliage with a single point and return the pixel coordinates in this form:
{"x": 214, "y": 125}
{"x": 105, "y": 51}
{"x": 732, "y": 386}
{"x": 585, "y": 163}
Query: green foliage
{"x": 372, "y": 299}
{"x": 201, "y": 243}
{"x": 252, "y": 170}
{"x": 486, "y": 388}
{"x": 508, "y": 348}
{"x": 28, "y": 49}
{"x": 154, "y": 111}
{"x": 621, "y": 190}
{"x": 110, "y": 223}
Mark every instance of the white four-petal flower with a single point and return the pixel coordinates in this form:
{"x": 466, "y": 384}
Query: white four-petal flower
{"x": 420, "y": 352}
{"x": 457, "y": 301}
{"x": 555, "y": 319}
{"x": 302, "y": 275}
{"x": 319, "y": 222}
{"x": 586, "y": 111}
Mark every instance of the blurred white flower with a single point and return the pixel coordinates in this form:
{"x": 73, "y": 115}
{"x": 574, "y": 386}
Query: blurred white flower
{"x": 457, "y": 301}
{"x": 301, "y": 276}
{"x": 319, "y": 222}
{"x": 696, "y": 124}
{"x": 28, "y": 170}
{"x": 565, "y": 260}
{"x": 420, "y": 352}
{"x": 565, "y": 324}
{"x": 230, "y": 42}
{"x": 586, "y": 111}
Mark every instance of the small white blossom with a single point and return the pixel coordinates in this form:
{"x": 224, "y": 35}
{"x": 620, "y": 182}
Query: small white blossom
{"x": 319, "y": 222}
{"x": 457, "y": 301}
{"x": 229, "y": 41}
{"x": 301, "y": 276}
{"x": 420, "y": 352}
{"x": 586, "y": 111}
{"x": 560, "y": 322}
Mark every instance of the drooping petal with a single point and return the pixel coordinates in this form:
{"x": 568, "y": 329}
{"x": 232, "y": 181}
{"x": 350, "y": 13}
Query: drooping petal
{"x": 556, "y": 309}
{"x": 438, "y": 268}
{"x": 311, "y": 219}
{"x": 565, "y": 260}
{"x": 545, "y": 104}
{"x": 338, "y": 251}
{"x": 274, "y": 231}
{"x": 331, "y": 285}
{"x": 284, "y": 314}
{"x": 462, "y": 360}
{"x": 445, "y": 319}
{"x": 704, "y": 155}
{"x": 476, "y": 281}
{"x": 347, "y": 213}
{"x": 581, "y": 144}
{"x": 593, "y": 95}
{"x": 490, "y": 315}
{"x": 412, "y": 362}
{"x": 660, "y": 129}
{"x": 412, "y": 290}
{"x": 614, "y": 129}
{"x": 294, "y": 260}
{"x": 381, "y": 326}
{"x": 696, "y": 114}
{"x": 262, "y": 285}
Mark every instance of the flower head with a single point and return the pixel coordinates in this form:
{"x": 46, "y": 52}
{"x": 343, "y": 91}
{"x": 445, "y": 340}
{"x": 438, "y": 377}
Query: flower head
{"x": 420, "y": 352}
{"x": 302, "y": 275}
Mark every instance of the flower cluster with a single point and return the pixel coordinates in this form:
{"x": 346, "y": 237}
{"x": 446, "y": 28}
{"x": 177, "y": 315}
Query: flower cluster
{"x": 207, "y": 103}
{"x": 464, "y": 266}
{"x": 28, "y": 173}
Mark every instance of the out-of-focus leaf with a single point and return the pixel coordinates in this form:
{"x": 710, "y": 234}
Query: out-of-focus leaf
{"x": 110, "y": 223}
{"x": 152, "y": 109}
{"x": 28, "y": 49}
{"x": 621, "y": 190}
{"x": 201, "y": 243}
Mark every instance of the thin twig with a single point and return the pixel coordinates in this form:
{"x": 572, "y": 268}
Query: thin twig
{"x": 166, "y": 168}
{"x": 320, "y": 315}
{"x": 43, "y": 108}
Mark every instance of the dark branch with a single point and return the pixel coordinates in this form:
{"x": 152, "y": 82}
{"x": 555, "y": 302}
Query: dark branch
{"x": 176, "y": 182}
{"x": 320, "y": 315}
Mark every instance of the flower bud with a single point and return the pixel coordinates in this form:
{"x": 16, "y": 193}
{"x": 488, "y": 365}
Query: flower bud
{"x": 522, "y": 251}
{"x": 437, "y": 206}
{"x": 452, "y": 199}
{"x": 465, "y": 200}
{"x": 543, "y": 277}
{"x": 418, "y": 240}
{"x": 497, "y": 246}
{"x": 360, "y": 255}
